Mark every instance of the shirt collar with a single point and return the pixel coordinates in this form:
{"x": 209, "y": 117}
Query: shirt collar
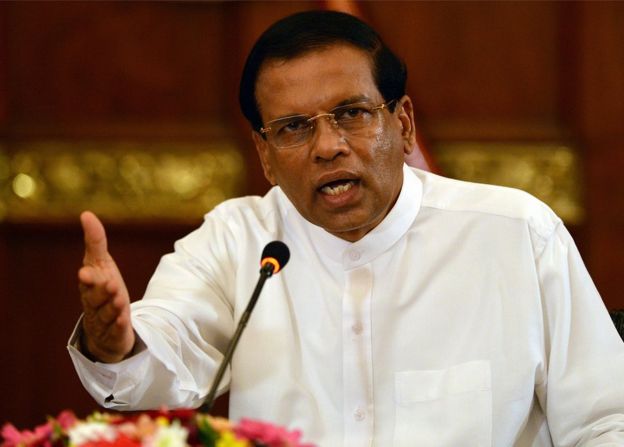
{"x": 377, "y": 241}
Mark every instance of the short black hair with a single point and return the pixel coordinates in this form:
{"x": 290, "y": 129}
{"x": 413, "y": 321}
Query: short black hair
{"x": 303, "y": 32}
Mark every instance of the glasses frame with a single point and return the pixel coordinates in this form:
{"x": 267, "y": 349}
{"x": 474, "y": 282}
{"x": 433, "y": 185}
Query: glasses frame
{"x": 265, "y": 131}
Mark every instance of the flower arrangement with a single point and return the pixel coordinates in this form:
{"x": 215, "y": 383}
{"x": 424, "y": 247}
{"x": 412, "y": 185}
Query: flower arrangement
{"x": 163, "y": 428}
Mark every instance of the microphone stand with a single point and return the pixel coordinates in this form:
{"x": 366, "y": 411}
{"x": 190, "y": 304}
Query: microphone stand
{"x": 265, "y": 272}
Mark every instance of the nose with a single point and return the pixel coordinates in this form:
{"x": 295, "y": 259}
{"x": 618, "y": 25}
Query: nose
{"x": 329, "y": 142}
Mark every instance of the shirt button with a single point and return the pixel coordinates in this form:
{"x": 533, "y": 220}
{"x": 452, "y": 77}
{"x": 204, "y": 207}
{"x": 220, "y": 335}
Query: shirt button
{"x": 354, "y": 255}
{"x": 357, "y": 328}
{"x": 359, "y": 414}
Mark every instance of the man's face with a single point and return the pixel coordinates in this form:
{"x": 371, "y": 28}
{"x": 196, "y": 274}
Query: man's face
{"x": 344, "y": 184}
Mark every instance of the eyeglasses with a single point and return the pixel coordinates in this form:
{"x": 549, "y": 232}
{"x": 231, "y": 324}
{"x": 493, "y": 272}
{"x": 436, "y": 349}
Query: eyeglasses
{"x": 359, "y": 119}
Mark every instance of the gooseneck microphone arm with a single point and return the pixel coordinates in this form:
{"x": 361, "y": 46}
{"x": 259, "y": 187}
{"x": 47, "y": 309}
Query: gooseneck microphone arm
{"x": 274, "y": 258}
{"x": 265, "y": 272}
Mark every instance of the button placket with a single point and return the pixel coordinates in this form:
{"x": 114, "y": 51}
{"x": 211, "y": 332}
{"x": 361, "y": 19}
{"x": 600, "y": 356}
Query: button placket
{"x": 357, "y": 352}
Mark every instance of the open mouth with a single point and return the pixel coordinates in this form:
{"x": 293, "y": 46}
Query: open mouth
{"x": 338, "y": 187}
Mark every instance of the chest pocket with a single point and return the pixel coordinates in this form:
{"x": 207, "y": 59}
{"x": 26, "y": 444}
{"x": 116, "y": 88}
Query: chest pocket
{"x": 446, "y": 407}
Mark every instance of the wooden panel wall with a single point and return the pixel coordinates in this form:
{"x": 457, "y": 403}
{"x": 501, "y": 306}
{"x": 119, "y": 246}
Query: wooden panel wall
{"x": 476, "y": 71}
{"x": 598, "y": 111}
{"x": 479, "y": 71}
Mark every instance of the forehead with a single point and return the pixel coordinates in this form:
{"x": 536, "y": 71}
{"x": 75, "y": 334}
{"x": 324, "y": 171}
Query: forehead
{"x": 315, "y": 81}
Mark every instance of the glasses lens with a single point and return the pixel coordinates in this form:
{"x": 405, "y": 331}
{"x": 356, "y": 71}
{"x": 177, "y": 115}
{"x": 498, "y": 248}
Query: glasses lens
{"x": 291, "y": 131}
{"x": 355, "y": 118}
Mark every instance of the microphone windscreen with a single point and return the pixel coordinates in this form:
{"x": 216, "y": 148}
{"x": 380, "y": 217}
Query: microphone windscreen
{"x": 275, "y": 251}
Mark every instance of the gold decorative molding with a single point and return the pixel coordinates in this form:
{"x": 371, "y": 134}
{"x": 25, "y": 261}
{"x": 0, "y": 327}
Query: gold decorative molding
{"x": 119, "y": 180}
{"x": 181, "y": 181}
{"x": 549, "y": 171}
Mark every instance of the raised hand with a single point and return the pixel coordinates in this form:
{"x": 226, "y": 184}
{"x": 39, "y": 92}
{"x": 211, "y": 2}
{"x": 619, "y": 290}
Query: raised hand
{"x": 107, "y": 330}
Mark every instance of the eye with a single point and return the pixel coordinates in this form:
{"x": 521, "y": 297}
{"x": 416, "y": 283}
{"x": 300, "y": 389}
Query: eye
{"x": 293, "y": 126}
{"x": 352, "y": 113}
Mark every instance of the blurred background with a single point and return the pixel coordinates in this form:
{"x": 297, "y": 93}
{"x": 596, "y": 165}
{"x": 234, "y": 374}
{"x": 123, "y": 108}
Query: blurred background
{"x": 130, "y": 109}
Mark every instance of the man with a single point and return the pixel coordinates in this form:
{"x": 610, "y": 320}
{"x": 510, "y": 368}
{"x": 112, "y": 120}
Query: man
{"x": 415, "y": 310}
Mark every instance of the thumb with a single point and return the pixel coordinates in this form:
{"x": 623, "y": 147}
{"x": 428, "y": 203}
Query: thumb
{"x": 96, "y": 248}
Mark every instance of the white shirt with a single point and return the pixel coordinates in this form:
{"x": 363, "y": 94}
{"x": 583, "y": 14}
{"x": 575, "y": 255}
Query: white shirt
{"x": 466, "y": 318}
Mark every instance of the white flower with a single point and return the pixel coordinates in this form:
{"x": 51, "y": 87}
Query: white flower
{"x": 172, "y": 435}
{"x": 91, "y": 431}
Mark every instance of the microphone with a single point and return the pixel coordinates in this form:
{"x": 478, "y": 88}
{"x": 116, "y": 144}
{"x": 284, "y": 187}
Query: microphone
{"x": 274, "y": 257}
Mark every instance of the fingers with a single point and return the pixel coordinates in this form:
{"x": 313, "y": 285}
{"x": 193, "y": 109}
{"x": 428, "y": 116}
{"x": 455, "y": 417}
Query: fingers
{"x": 96, "y": 248}
{"x": 99, "y": 280}
{"x": 105, "y": 315}
{"x": 96, "y": 286}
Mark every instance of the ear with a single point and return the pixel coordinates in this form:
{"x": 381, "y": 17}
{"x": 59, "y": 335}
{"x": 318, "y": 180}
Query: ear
{"x": 405, "y": 114}
{"x": 262, "y": 146}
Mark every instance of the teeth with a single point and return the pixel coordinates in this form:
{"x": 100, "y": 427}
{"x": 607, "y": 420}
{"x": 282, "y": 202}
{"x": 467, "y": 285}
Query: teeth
{"x": 337, "y": 189}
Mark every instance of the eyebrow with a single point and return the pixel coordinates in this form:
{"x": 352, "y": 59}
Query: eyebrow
{"x": 353, "y": 100}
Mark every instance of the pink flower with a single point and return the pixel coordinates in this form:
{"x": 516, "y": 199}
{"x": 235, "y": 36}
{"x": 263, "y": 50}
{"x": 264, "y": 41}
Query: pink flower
{"x": 44, "y": 435}
{"x": 40, "y": 436}
{"x": 268, "y": 434}
{"x": 65, "y": 420}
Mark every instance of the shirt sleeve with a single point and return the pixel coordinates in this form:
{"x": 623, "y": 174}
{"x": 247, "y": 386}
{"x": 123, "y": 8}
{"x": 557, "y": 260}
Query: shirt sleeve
{"x": 584, "y": 394}
{"x": 184, "y": 322}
